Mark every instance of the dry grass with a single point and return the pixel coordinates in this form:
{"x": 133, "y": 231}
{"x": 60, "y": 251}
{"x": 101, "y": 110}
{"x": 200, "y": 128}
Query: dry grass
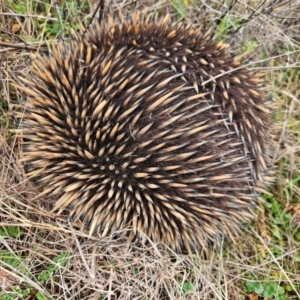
{"x": 32, "y": 240}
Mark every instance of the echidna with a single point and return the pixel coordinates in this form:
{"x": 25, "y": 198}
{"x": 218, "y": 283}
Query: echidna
{"x": 145, "y": 125}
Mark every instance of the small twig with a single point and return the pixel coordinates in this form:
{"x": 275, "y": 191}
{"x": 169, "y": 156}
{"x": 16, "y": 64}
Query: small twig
{"x": 21, "y": 46}
{"x": 13, "y": 35}
{"x": 92, "y": 275}
{"x": 226, "y": 12}
{"x": 100, "y": 6}
{"x": 247, "y": 65}
{"x": 28, "y": 16}
{"x": 249, "y": 18}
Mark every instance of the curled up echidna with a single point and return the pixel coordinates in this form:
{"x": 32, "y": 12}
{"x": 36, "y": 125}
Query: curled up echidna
{"x": 144, "y": 125}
